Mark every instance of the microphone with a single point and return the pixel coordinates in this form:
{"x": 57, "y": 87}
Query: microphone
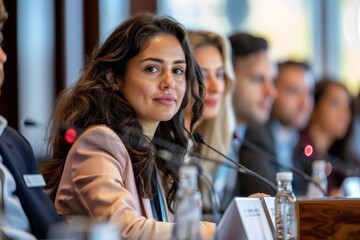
{"x": 266, "y": 155}
{"x": 168, "y": 157}
{"x": 240, "y": 168}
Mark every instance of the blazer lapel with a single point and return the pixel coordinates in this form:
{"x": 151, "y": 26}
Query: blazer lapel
{"x": 147, "y": 207}
{"x": 146, "y": 201}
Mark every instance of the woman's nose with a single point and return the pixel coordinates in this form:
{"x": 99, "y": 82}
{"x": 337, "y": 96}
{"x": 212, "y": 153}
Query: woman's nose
{"x": 167, "y": 81}
{"x": 212, "y": 84}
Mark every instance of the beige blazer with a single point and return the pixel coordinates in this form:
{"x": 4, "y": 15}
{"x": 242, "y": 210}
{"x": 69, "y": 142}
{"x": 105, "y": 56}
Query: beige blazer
{"x": 98, "y": 182}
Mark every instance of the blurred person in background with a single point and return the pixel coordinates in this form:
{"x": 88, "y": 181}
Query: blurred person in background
{"x": 212, "y": 53}
{"x": 279, "y": 136}
{"x": 328, "y": 131}
{"x": 254, "y": 91}
{"x": 26, "y": 212}
{"x": 352, "y": 147}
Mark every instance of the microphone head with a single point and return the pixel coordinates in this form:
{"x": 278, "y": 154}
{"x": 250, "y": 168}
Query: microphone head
{"x": 198, "y": 138}
{"x": 165, "y": 155}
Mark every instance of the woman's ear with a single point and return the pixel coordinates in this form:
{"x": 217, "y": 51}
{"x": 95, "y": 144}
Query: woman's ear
{"x": 113, "y": 80}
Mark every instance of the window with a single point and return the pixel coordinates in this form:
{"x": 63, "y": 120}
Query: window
{"x": 350, "y": 44}
{"x": 288, "y": 29}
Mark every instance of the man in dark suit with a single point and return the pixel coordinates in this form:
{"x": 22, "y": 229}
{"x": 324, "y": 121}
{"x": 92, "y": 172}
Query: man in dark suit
{"x": 254, "y": 91}
{"x": 279, "y": 136}
{"x": 26, "y": 211}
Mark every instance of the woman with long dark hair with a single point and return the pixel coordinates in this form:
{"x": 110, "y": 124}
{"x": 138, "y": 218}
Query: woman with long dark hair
{"x": 132, "y": 91}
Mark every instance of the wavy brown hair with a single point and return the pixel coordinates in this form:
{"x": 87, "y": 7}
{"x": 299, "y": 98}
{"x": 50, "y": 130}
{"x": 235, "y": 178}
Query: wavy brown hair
{"x": 95, "y": 99}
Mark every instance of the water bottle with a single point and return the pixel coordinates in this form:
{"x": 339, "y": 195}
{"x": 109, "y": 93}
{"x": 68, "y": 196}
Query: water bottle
{"x": 319, "y": 176}
{"x": 188, "y": 206}
{"x": 285, "y": 205}
{"x": 83, "y": 228}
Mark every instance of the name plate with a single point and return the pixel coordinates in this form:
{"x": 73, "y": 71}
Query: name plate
{"x": 244, "y": 219}
{"x": 34, "y": 180}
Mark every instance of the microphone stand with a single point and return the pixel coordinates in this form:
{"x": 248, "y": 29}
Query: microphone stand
{"x": 274, "y": 160}
{"x": 167, "y": 156}
{"x": 214, "y": 199}
{"x": 240, "y": 168}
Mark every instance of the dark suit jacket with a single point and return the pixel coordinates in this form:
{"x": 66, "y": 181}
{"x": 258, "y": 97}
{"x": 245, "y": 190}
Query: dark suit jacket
{"x": 262, "y": 136}
{"x": 18, "y": 157}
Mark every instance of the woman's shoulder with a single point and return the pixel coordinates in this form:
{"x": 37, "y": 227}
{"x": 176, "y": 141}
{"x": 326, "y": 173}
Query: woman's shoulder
{"x": 103, "y": 138}
{"x": 99, "y": 129}
{"x": 98, "y": 132}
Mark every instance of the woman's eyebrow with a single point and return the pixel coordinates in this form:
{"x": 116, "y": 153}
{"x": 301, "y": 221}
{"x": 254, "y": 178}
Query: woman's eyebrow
{"x": 159, "y": 60}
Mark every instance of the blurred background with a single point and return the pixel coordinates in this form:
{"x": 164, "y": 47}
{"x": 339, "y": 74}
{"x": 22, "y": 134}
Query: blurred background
{"x": 47, "y": 40}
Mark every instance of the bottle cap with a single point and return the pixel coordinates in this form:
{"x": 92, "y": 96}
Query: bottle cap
{"x": 188, "y": 170}
{"x": 319, "y": 164}
{"x": 287, "y": 176}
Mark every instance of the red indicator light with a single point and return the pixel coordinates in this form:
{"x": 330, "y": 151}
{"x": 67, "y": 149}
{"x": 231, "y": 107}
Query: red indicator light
{"x": 308, "y": 150}
{"x": 70, "y": 135}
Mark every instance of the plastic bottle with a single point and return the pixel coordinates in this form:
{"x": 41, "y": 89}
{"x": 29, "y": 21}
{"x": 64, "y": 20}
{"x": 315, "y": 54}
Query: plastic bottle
{"x": 82, "y": 228}
{"x": 285, "y": 205}
{"x": 319, "y": 176}
{"x": 188, "y": 208}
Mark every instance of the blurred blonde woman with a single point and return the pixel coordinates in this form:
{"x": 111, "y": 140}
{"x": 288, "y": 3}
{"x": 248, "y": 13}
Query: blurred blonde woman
{"x": 212, "y": 53}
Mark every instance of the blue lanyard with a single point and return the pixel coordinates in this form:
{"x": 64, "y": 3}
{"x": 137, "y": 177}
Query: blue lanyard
{"x": 157, "y": 203}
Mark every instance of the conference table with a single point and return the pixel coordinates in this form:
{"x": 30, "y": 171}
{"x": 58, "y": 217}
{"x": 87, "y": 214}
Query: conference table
{"x": 328, "y": 218}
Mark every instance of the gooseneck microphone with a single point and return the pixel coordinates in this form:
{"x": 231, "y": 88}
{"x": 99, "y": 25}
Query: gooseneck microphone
{"x": 168, "y": 157}
{"x": 266, "y": 155}
{"x": 240, "y": 168}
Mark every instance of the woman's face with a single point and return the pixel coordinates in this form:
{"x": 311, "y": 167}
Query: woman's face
{"x": 333, "y": 111}
{"x": 154, "y": 83}
{"x": 211, "y": 63}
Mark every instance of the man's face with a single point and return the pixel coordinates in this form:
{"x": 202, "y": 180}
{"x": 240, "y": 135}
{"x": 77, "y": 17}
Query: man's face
{"x": 294, "y": 103}
{"x": 254, "y": 88}
{"x": 2, "y": 61}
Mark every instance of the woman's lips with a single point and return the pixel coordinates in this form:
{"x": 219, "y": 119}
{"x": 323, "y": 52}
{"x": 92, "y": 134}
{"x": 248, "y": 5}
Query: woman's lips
{"x": 167, "y": 100}
{"x": 211, "y": 102}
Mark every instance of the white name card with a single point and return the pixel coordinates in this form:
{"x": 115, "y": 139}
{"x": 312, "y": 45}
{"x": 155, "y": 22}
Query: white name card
{"x": 244, "y": 219}
{"x": 34, "y": 180}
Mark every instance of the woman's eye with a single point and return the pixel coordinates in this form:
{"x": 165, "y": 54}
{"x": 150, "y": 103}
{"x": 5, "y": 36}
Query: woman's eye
{"x": 220, "y": 75}
{"x": 257, "y": 79}
{"x": 152, "y": 69}
{"x": 178, "y": 71}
